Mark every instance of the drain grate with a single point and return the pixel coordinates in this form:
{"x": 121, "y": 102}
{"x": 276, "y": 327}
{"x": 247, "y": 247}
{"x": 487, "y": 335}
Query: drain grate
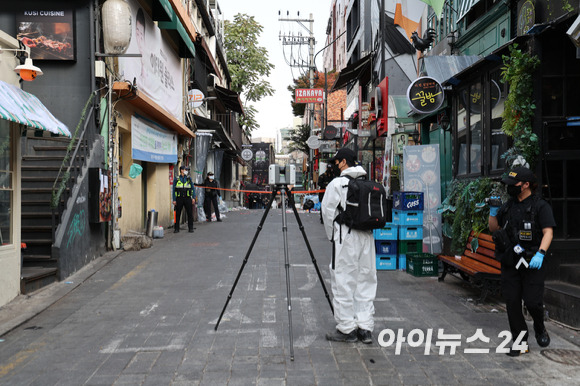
{"x": 566, "y": 357}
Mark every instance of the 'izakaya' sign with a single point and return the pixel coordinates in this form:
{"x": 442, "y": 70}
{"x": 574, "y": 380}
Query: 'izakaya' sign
{"x": 309, "y": 95}
{"x": 425, "y": 95}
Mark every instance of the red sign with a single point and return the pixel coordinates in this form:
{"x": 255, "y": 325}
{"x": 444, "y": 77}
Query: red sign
{"x": 309, "y": 95}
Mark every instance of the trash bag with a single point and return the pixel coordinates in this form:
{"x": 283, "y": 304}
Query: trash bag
{"x": 308, "y": 204}
{"x": 223, "y": 208}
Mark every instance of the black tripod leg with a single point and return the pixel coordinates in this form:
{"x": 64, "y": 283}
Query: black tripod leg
{"x": 245, "y": 260}
{"x": 287, "y": 268}
{"x": 291, "y": 203}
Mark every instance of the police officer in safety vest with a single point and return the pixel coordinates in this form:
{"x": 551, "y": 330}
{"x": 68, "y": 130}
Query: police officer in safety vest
{"x": 523, "y": 231}
{"x": 183, "y": 196}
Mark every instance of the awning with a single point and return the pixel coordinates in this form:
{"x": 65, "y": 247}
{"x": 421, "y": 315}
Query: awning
{"x": 231, "y": 99}
{"x": 21, "y": 107}
{"x": 444, "y": 67}
{"x": 494, "y": 57}
{"x": 151, "y": 109}
{"x": 186, "y": 46}
{"x": 465, "y": 7}
{"x": 220, "y": 134}
{"x": 162, "y": 10}
{"x": 402, "y": 108}
{"x": 360, "y": 69}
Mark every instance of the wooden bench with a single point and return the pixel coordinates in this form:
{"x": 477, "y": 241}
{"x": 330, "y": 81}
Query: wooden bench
{"x": 479, "y": 267}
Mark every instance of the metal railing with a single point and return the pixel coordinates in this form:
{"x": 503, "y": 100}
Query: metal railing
{"x": 63, "y": 184}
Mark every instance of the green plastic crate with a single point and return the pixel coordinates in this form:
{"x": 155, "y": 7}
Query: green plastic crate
{"x": 422, "y": 264}
{"x": 410, "y": 246}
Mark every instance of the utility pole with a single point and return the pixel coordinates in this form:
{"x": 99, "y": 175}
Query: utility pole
{"x": 299, "y": 40}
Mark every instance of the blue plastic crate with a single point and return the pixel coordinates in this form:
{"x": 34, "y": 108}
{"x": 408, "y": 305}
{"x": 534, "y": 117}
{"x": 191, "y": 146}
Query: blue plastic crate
{"x": 386, "y": 247}
{"x": 402, "y": 263}
{"x": 408, "y": 200}
{"x": 386, "y": 262}
{"x": 410, "y": 232}
{"x": 402, "y": 217}
{"x": 388, "y": 232}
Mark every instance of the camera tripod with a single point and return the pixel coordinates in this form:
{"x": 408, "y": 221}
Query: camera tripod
{"x": 282, "y": 189}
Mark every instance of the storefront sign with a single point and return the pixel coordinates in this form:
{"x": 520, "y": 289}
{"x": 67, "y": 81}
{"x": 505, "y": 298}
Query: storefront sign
{"x": 327, "y": 146}
{"x": 425, "y": 95}
{"x": 309, "y": 95}
{"x": 526, "y": 17}
{"x": 151, "y": 142}
{"x": 158, "y": 71}
{"x": 48, "y": 32}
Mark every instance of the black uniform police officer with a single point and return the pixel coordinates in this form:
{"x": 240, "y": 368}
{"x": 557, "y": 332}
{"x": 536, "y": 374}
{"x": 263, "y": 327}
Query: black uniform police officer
{"x": 183, "y": 196}
{"x": 525, "y": 223}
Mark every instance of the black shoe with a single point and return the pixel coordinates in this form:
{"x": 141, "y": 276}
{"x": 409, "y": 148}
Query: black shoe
{"x": 543, "y": 338}
{"x": 176, "y": 231}
{"x": 365, "y": 336}
{"x": 517, "y": 353}
{"x": 337, "y": 336}
{"x": 191, "y": 231}
{"x": 219, "y": 220}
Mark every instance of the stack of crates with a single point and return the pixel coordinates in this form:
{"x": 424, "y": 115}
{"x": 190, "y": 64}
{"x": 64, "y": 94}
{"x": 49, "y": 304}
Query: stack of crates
{"x": 386, "y": 246}
{"x": 408, "y": 216}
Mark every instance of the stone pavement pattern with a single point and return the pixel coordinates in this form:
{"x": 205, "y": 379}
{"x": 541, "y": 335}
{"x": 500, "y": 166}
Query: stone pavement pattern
{"x": 147, "y": 318}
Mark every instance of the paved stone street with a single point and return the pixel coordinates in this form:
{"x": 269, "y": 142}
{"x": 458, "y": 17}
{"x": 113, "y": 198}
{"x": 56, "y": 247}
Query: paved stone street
{"x": 148, "y": 318}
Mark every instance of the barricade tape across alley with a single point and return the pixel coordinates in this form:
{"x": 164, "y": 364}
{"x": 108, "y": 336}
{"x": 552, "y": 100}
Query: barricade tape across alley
{"x": 262, "y": 191}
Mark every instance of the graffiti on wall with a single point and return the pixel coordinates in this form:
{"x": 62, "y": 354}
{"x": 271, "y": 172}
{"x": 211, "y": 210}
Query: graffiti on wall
{"x": 76, "y": 227}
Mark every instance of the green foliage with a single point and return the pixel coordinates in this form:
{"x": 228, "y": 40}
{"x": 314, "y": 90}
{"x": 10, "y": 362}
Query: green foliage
{"x": 518, "y": 114}
{"x": 248, "y": 65}
{"x": 465, "y": 210}
{"x": 298, "y": 138}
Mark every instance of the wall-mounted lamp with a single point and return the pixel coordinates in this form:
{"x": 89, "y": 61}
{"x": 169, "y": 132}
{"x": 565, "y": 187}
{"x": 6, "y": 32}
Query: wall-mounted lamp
{"x": 26, "y": 69}
{"x": 416, "y": 136}
{"x": 445, "y": 123}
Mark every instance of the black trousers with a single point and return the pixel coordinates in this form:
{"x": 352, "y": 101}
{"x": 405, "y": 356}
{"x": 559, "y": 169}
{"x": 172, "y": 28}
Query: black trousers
{"x": 527, "y": 285}
{"x": 207, "y": 207}
{"x": 180, "y": 203}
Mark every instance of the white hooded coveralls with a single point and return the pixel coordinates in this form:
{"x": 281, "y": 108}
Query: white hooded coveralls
{"x": 354, "y": 277}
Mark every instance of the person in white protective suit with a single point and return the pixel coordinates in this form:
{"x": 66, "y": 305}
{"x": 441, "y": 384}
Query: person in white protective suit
{"x": 353, "y": 273}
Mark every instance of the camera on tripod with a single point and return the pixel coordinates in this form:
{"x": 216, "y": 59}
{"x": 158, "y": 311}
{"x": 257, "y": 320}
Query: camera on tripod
{"x": 282, "y": 175}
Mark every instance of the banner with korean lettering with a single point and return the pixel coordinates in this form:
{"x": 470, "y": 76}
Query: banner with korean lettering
{"x": 151, "y": 142}
{"x": 158, "y": 71}
{"x": 422, "y": 173}
{"x": 309, "y": 95}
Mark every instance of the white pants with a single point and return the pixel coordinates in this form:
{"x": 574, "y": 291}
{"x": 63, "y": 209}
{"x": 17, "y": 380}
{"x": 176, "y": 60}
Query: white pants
{"x": 354, "y": 280}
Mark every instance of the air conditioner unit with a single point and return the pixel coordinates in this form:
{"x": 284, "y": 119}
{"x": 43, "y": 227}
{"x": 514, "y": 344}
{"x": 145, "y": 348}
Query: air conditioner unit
{"x": 574, "y": 32}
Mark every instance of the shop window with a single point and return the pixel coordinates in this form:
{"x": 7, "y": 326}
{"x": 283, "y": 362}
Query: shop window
{"x": 499, "y": 141}
{"x": 479, "y": 138}
{"x": 6, "y": 183}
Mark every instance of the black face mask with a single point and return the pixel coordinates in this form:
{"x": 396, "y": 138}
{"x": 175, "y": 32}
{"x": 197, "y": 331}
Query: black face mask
{"x": 335, "y": 170}
{"x": 514, "y": 190}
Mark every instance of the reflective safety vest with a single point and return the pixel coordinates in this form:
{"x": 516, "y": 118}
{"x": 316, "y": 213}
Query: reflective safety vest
{"x": 183, "y": 189}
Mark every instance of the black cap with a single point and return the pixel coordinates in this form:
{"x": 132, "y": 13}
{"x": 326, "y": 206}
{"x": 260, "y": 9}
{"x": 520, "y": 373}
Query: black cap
{"x": 518, "y": 174}
{"x": 344, "y": 153}
{"x": 210, "y": 173}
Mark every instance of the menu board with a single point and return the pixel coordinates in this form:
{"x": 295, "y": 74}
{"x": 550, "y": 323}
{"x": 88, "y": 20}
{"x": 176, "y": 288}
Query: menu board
{"x": 421, "y": 173}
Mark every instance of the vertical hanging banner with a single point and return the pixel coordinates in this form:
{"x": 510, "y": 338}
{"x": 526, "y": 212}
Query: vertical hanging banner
{"x": 151, "y": 142}
{"x": 422, "y": 173}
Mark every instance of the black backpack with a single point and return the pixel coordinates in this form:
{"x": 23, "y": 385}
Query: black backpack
{"x": 366, "y": 205}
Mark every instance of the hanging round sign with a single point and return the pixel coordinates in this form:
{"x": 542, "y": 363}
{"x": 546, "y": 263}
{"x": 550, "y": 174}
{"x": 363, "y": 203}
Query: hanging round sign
{"x": 247, "y": 154}
{"x": 425, "y": 95}
{"x": 313, "y": 142}
{"x": 195, "y": 98}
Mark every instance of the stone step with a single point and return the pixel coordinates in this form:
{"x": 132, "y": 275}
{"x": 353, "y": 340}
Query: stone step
{"x": 34, "y": 278}
{"x": 562, "y": 300}
{"x": 570, "y": 273}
